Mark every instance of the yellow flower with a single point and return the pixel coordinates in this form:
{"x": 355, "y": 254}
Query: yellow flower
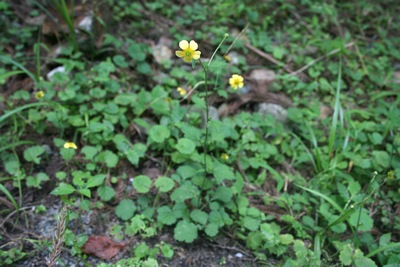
{"x": 227, "y": 58}
{"x": 181, "y": 91}
{"x": 188, "y": 52}
{"x": 70, "y": 145}
{"x": 236, "y": 81}
{"x": 39, "y": 94}
{"x": 224, "y": 156}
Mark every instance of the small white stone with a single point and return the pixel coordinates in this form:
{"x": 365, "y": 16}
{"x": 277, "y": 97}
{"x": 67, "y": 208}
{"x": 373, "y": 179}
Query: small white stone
{"x": 54, "y": 71}
{"x": 86, "y": 23}
{"x": 239, "y": 255}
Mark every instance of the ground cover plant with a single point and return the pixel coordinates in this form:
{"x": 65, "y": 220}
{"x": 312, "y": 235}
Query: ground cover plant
{"x": 214, "y": 133}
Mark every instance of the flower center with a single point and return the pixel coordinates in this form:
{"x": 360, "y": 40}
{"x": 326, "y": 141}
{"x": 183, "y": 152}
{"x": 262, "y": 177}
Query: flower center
{"x": 188, "y": 53}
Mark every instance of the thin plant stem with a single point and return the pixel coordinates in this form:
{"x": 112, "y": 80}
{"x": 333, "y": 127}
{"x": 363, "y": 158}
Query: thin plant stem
{"x": 205, "y": 68}
{"x": 205, "y": 144}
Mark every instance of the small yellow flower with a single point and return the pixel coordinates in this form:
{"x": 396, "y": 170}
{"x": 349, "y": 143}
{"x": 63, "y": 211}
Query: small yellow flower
{"x": 70, "y": 145}
{"x": 236, "y": 81}
{"x": 39, "y": 94}
{"x": 227, "y": 58}
{"x": 188, "y": 52}
{"x": 181, "y": 91}
{"x": 224, "y": 156}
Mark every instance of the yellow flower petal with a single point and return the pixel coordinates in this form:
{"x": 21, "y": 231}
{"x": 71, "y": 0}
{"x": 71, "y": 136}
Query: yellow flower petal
{"x": 187, "y": 59}
{"x": 188, "y": 52}
{"x": 39, "y": 94}
{"x": 70, "y": 145}
{"x": 224, "y": 156}
{"x": 236, "y": 81}
{"x": 196, "y": 54}
{"x": 184, "y": 44}
{"x": 179, "y": 53}
{"x": 193, "y": 45}
{"x": 181, "y": 91}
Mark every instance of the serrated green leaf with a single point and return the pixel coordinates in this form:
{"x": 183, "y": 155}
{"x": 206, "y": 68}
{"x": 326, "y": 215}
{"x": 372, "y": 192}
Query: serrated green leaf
{"x": 125, "y": 209}
{"x": 141, "y": 250}
{"x": 85, "y": 192}
{"x": 277, "y": 52}
{"x": 106, "y": 193}
{"x": 142, "y": 183}
{"x": 12, "y": 166}
{"x": 186, "y": 171}
{"x": 36, "y": 181}
{"x": 164, "y": 184}
{"x": 222, "y": 172}
{"x": 120, "y": 61}
{"x": 250, "y": 223}
{"x": 158, "y": 133}
{"x": 134, "y": 154}
{"x": 125, "y": 99}
{"x": 346, "y": 254}
{"x": 365, "y": 222}
{"x": 32, "y": 154}
{"x": 63, "y": 189}
{"x": 199, "y": 216}
{"x": 376, "y": 138}
{"x": 185, "y": 191}
{"x": 110, "y": 159}
{"x": 385, "y": 239}
{"x": 286, "y": 239}
{"x": 254, "y": 240}
{"x": 185, "y": 146}
{"x": 364, "y": 262}
{"x": 96, "y": 180}
{"x": 166, "y": 216}
{"x": 167, "y": 251}
{"x": 137, "y": 51}
{"x": 185, "y": 232}
{"x": 90, "y": 152}
{"x": 223, "y": 194}
{"x": 216, "y": 218}
{"x": 382, "y": 158}
{"x": 211, "y": 229}
{"x": 300, "y": 249}
{"x": 67, "y": 153}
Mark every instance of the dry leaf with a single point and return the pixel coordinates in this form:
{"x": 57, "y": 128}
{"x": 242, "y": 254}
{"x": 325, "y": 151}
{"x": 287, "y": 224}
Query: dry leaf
{"x": 102, "y": 247}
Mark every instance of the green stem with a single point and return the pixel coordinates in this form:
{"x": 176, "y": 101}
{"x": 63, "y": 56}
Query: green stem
{"x": 36, "y": 104}
{"x": 205, "y": 144}
{"x": 383, "y": 248}
{"x": 205, "y": 68}
{"x": 213, "y": 55}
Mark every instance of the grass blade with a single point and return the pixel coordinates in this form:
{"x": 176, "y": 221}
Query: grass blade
{"x": 10, "y": 197}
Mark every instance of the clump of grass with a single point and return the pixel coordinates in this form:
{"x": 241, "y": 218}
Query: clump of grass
{"x": 58, "y": 237}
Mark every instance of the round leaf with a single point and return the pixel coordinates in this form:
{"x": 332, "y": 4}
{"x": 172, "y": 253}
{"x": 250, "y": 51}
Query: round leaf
{"x": 125, "y": 209}
{"x": 159, "y": 133}
{"x": 142, "y": 183}
{"x": 166, "y": 215}
{"x": 164, "y": 184}
{"x": 185, "y": 146}
{"x": 185, "y": 231}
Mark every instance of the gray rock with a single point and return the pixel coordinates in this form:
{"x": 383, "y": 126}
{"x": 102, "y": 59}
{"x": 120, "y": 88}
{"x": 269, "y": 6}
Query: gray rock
{"x": 277, "y": 111}
{"x": 161, "y": 51}
{"x": 213, "y": 113}
{"x": 263, "y": 77}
